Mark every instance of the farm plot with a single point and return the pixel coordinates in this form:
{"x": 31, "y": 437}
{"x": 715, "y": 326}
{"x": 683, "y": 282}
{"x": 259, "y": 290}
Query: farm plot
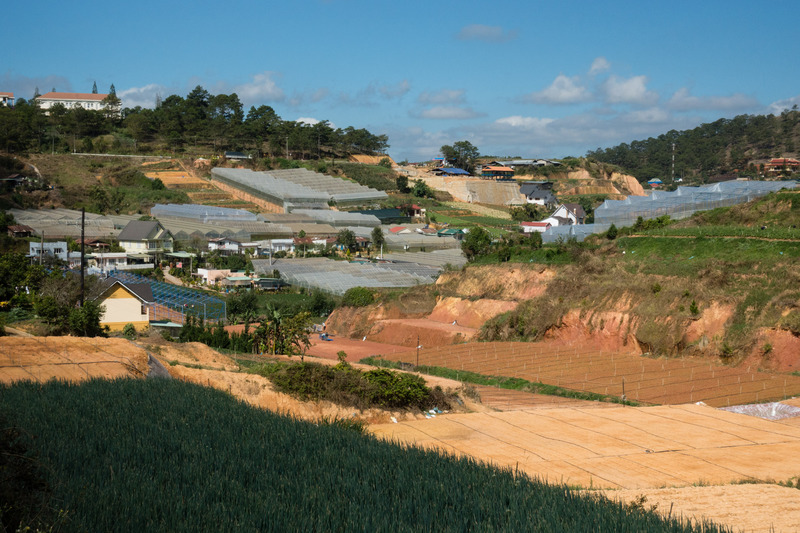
{"x": 179, "y": 179}
{"x": 621, "y": 447}
{"x": 655, "y": 381}
{"x": 41, "y": 359}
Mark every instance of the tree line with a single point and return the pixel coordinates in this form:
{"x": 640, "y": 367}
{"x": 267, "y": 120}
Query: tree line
{"x": 200, "y": 122}
{"x": 720, "y": 147}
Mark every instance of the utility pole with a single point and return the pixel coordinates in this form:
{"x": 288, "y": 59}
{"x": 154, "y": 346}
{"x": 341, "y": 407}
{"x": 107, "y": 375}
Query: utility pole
{"x": 673, "y": 162}
{"x": 83, "y": 239}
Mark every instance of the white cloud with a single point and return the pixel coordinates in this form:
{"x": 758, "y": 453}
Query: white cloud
{"x": 781, "y": 105}
{"x": 653, "y": 115}
{"x": 261, "y": 89}
{"x": 444, "y": 96}
{"x": 398, "y": 90}
{"x": 142, "y": 96}
{"x": 448, "y": 113}
{"x": 682, "y": 100}
{"x": 628, "y": 91}
{"x": 319, "y": 95}
{"x": 367, "y": 96}
{"x": 311, "y": 121}
{"x": 488, "y": 34}
{"x": 599, "y": 65}
{"x": 563, "y": 90}
{"x": 526, "y": 123}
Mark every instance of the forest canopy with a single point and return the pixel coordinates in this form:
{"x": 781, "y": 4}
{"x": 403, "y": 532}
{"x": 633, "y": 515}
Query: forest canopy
{"x": 199, "y": 122}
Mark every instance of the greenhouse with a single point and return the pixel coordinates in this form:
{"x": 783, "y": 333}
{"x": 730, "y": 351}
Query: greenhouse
{"x": 684, "y": 201}
{"x": 339, "y": 218}
{"x": 678, "y": 204}
{"x": 203, "y": 213}
{"x": 297, "y": 188}
{"x": 337, "y": 277}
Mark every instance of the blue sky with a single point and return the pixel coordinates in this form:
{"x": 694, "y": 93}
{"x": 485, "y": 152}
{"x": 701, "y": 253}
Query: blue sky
{"x": 515, "y": 78}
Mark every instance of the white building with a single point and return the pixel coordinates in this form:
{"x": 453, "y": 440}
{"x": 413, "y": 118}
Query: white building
{"x": 53, "y": 249}
{"x": 225, "y": 245}
{"x": 7, "y": 99}
{"x": 530, "y": 227}
{"x": 90, "y": 101}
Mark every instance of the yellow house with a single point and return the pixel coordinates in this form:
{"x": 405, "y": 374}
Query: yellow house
{"x": 125, "y": 303}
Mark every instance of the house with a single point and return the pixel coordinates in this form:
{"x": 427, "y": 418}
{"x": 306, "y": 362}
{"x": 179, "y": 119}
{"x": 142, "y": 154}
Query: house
{"x": 225, "y": 246}
{"x": 53, "y": 249}
{"x": 7, "y": 99}
{"x": 109, "y": 261}
{"x": 20, "y": 230}
{"x": 145, "y": 237}
{"x": 535, "y": 227}
{"x": 573, "y": 212}
{"x": 451, "y": 232}
{"x": 212, "y": 276}
{"x": 125, "y": 303}
{"x": 497, "y": 172}
{"x": 399, "y": 230}
{"x": 428, "y": 232}
{"x": 90, "y": 101}
{"x": 538, "y": 192}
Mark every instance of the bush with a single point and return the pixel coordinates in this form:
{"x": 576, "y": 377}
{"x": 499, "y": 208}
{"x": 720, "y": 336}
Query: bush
{"x": 129, "y": 331}
{"x": 358, "y": 297}
{"x": 344, "y": 385}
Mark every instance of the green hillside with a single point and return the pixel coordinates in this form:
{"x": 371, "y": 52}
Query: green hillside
{"x": 163, "y": 455}
{"x": 739, "y": 145}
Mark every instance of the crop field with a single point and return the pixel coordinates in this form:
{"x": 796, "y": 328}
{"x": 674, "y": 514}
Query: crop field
{"x": 648, "y": 380}
{"x": 179, "y": 179}
{"x": 41, "y": 359}
{"x": 619, "y": 447}
{"x": 163, "y": 455}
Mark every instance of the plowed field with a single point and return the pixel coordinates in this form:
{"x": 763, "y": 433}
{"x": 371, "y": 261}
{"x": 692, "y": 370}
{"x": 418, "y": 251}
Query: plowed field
{"x": 622, "y": 447}
{"x": 179, "y": 179}
{"x": 657, "y": 381}
{"x": 69, "y": 358}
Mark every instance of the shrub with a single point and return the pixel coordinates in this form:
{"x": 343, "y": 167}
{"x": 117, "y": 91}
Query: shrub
{"x": 357, "y": 297}
{"x": 129, "y": 331}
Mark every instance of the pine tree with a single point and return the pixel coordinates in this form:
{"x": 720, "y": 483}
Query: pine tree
{"x": 112, "y": 90}
{"x": 94, "y": 88}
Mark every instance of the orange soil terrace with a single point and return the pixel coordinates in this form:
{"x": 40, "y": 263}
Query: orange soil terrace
{"x": 69, "y": 358}
{"x": 179, "y": 179}
{"x": 656, "y": 381}
{"x": 622, "y": 447}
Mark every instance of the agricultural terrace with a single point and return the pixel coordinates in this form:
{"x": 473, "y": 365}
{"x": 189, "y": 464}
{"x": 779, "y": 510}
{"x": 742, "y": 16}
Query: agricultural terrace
{"x": 621, "y": 447}
{"x": 647, "y": 380}
{"x": 41, "y": 359}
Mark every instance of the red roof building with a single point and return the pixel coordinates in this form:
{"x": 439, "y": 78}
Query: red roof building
{"x": 781, "y": 163}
